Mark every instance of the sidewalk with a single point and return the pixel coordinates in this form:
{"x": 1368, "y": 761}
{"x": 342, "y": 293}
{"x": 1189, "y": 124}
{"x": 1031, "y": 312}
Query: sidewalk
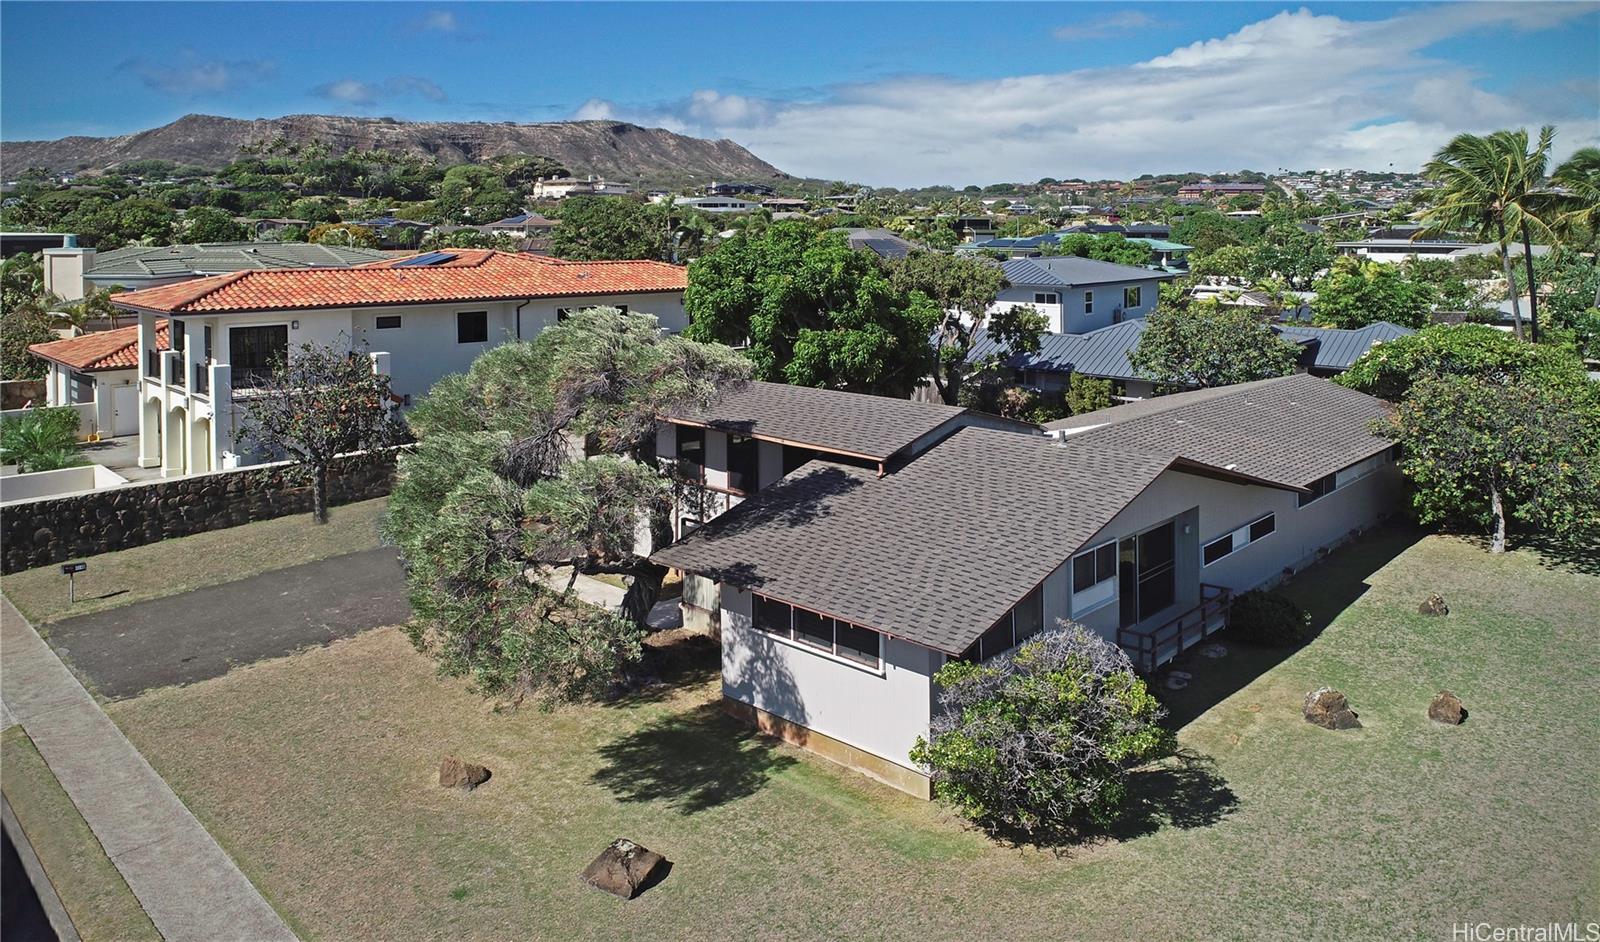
{"x": 187, "y": 884}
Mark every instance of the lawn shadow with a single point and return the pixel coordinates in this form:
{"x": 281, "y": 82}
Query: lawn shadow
{"x": 1325, "y": 589}
{"x": 1579, "y": 553}
{"x": 692, "y": 761}
{"x": 1183, "y": 791}
{"x": 674, "y": 660}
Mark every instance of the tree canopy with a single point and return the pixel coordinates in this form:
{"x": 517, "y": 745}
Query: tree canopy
{"x": 1204, "y": 343}
{"x": 962, "y": 289}
{"x": 543, "y": 455}
{"x": 1357, "y": 292}
{"x": 1477, "y": 351}
{"x": 813, "y": 311}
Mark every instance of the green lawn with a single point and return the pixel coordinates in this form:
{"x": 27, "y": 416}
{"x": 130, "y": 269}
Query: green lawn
{"x": 1269, "y": 828}
{"x": 91, "y": 890}
{"x": 192, "y": 562}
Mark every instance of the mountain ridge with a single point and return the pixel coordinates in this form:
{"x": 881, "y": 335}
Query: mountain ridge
{"x": 614, "y": 149}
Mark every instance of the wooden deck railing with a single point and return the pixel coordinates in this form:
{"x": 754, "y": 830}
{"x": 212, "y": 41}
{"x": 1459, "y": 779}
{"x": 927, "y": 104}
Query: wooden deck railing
{"x": 1150, "y": 648}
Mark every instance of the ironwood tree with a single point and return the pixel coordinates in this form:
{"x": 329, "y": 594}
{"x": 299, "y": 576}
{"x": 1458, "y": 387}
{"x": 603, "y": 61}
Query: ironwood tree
{"x": 542, "y": 456}
{"x": 316, "y": 403}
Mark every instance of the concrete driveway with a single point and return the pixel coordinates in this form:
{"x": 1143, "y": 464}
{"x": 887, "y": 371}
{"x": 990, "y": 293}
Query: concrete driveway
{"x": 201, "y": 634}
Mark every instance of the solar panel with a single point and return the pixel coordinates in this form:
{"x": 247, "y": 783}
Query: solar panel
{"x": 427, "y": 258}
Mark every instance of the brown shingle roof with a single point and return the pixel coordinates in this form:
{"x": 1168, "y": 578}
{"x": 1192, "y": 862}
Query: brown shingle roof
{"x": 934, "y": 553}
{"x": 873, "y": 427}
{"x": 103, "y": 350}
{"x": 1289, "y": 430}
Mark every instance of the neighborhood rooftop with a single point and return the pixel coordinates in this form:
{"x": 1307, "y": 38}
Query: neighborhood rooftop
{"x": 880, "y": 552}
{"x": 871, "y": 427}
{"x": 1070, "y": 270}
{"x": 103, "y": 350}
{"x": 138, "y": 262}
{"x": 429, "y": 278}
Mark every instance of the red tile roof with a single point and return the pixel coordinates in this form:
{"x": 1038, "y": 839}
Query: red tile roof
{"x": 104, "y": 350}
{"x": 473, "y": 275}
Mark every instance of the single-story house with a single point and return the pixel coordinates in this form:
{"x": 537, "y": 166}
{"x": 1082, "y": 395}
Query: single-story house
{"x": 98, "y": 374}
{"x": 421, "y": 317}
{"x": 1077, "y": 295}
{"x": 843, "y": 589}
{"x": 70, "y": 272}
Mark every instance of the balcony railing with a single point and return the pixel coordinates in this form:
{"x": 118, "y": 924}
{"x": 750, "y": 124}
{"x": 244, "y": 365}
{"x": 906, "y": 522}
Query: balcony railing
{"x": 202, "y": 379}
{"x": 1151, "y": 648}
{"x": 152, "y": 364}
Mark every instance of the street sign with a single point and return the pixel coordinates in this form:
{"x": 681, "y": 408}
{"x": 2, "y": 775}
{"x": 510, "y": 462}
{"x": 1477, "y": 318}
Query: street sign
{"x": 71, "y": 570}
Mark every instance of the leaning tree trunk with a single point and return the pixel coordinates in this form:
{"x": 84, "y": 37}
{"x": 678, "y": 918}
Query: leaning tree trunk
{"x": 1511, "y": 282}
{"x": 1533, "y": 286}
{"x": 319, "y": 494}
{"x": 1497, "y": 508}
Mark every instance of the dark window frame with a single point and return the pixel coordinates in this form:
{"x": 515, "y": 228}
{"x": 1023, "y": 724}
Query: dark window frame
{"x": 1132, "y": 296}
{"x": 390, "y": 322}
{"x": 1102, "y": 566}
{"x": 468, "y": 331}
{"x": 766, "y": 613}
{"x": 1319, "y": 489}
{"x": 245, "y": 358}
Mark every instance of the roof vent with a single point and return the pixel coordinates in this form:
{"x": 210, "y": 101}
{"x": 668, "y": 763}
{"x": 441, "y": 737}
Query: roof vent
{"x": 1231, "y": 467}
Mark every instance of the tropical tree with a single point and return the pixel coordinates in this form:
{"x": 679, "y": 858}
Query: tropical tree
{"x": 964, "y": 289}
{"x": 1204, "y": 343}
{"x": 1389, "y": 369}
{"x": 1577, "y": 183}
{"x": 1492, "y": 186}
{"x": 41, "y": 440}
{"x": 495, "y": 497}
{"x": 318, "y": 403}
{"x": 601, "y": 228}
{"x": 208, "y": 224}
{"x": 811, "y": 311}
{"x": 1357, "y": 291}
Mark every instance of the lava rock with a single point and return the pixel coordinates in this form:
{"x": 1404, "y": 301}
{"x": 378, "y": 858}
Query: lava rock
{"x": 1328, "y": 708}
{"x": 1446, "y": 708}
{"x": 456, "y": 773}
{"x": 626, "y": 869}
{"x": 1433, "y": 605}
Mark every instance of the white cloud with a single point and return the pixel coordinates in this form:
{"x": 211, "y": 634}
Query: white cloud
{"x": 1113, "y": 24}
{"x": 439, "y": 21}
{"x": 188, "y": 75}
{"x": 1294, "y": 90}
{"x": 362, "y": 94}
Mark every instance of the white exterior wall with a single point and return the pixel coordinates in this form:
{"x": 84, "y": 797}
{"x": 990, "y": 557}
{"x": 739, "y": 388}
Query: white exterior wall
{"x": 421, "y": 351}
{"x": 1068, "y": 317}
{"x": 881, "y": 712}
{"x": 1222, "y": 507}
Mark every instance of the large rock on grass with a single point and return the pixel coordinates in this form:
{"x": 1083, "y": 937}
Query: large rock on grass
{"x": 625, "y": 869}
{"x": 457, "y": 773}
{"x": 1328, "y": 708}
{"x": 1446, "y": 708}
{"x": 1433, "y": 605}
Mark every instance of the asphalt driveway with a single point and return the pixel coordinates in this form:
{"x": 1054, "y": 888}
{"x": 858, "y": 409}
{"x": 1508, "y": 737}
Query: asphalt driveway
{"x": 201, "y": 634}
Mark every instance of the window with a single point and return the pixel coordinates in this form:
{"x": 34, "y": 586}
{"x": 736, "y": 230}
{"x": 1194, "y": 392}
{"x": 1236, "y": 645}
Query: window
{"x": 1132, "y": 297}
{"x": 252, "y": 351}
{"x": 1223, "y": 546}
{"x": 1318, "y": 489}
{"x": 1046, "y": 297}
{"x": 772, "y": 616}
{"x": 813, "y": 629}
{"x": 691, "y": 451}
{"x": 687, "y": 526}
{"x": 178, "y": 336}
{"x": 390, "y": 321}
{"x": 472, "y": 327}
{"x": 816, "y": 631}
{"x": 1094, "y": 567}
{"x": 1158, "y": 584}
{"x": 744, "y": 456}
{"x": 1028, "y": 616}
{"x": 1088, "y": 302}
{"x": 80, "y": 388}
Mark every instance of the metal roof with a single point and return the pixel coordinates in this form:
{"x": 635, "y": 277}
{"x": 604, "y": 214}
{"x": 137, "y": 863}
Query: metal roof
{"x": 1336, "y": 348}
{"x": 1102, "y": 353}
{"x": 210, "y": 258}
{"x": 1067, "y": 271}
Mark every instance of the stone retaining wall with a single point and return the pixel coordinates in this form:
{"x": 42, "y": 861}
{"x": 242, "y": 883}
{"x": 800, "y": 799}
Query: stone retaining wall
{"x": 56, "y": 529}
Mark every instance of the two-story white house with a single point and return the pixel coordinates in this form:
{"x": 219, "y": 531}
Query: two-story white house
{"x": 421, "y": 317}
{"x": 843, "y": 589}
{"x": 1077, "y": 295}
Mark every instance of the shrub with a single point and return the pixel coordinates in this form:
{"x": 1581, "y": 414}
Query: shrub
{"x": 41, "y": 440}
{"x": 1269, "y": 618}
{"x": 1038, "y": 741}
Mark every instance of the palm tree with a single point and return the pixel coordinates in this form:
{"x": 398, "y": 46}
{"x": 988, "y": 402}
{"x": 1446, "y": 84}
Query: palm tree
{"x": 1491, "y": 186}
{"x": 1577, "y": 191}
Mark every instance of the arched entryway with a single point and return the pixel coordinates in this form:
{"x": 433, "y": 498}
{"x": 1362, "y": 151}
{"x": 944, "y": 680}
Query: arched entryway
{"x": 150, "y": 453}
{"x": 200, "y": 447}
{"x": 176, "y": 460}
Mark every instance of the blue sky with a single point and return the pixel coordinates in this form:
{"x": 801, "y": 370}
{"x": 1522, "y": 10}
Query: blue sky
{"x": 899, "y": 93}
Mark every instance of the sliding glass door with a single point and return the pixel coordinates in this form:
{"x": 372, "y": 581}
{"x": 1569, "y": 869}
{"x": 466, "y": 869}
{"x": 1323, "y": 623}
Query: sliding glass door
{"x": 1147, "y": 573}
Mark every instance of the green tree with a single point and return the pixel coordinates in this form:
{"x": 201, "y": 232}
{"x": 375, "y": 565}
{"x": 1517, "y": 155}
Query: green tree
{"x": 41, "y": 440}
{"x": 813, "y": 312}
{"x": 1492, "y": 186}
{"x": 475, "y": 193}
{"x": 601, "y": 228}
{"x": 344, "y": 233}
{"x": 111, "y": 225}
{"x": 205, "y": 224}
{"x": 1037, "y": 742}
{"x": 962, "y": 289}
{"x": 1477, "y": 351}
{"x": 24, "y": 316}
{"x": 1488, "y": 452}
{"x": 1087, "y": 394}
{"x": 313, "y": 210}
{"x": 1110, "y": 247}
{"x": 1203, "y": 344}
{"x": 494, "y": 498}
{"x": 1356, "y": 292}
{"x": 318, "y": 403}
{"x": 1292, "y": 254}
